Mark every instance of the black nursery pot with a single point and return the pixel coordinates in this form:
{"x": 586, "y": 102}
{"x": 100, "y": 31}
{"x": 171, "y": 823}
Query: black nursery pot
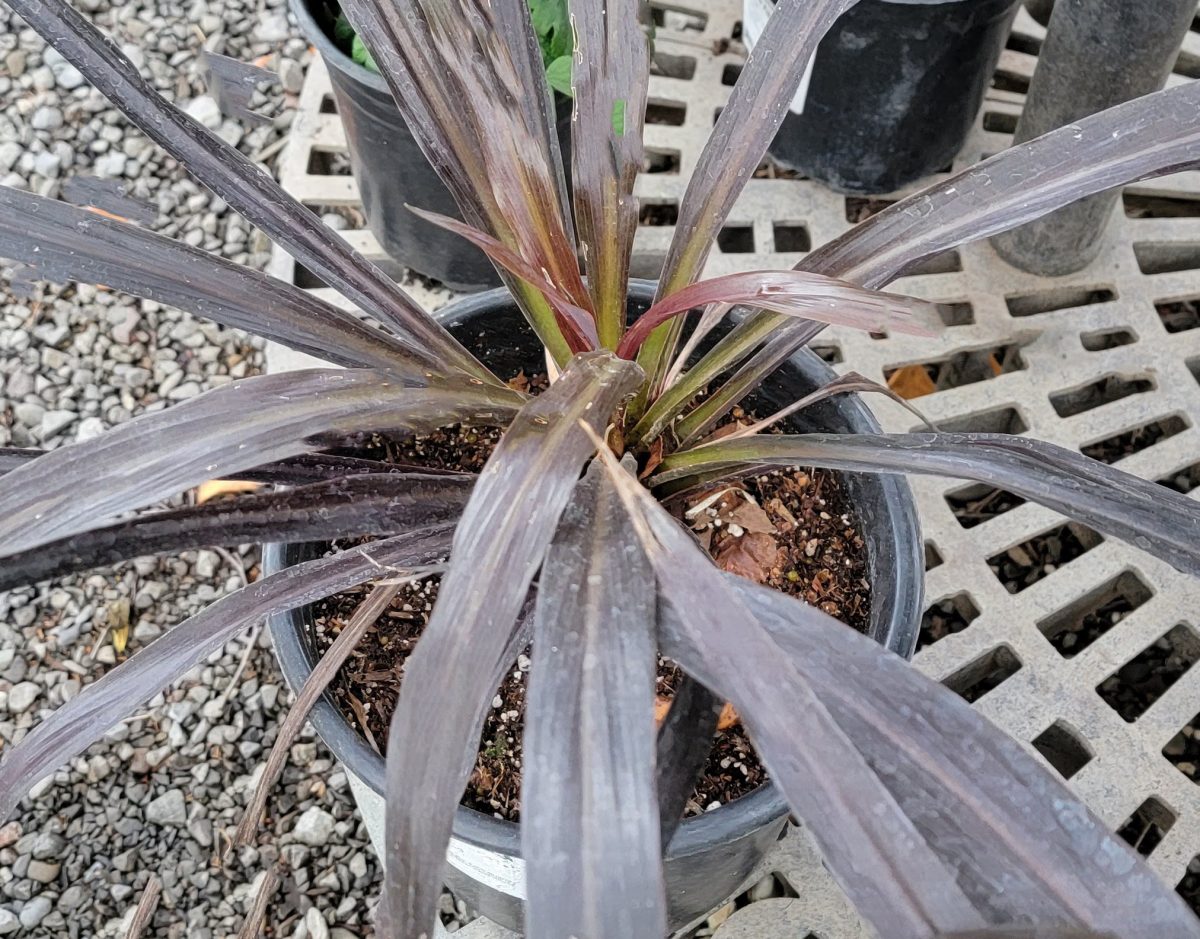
{"x": 710, "y": 856}
{"x": 894, "y": 89}
{"x": 393, "y": 173}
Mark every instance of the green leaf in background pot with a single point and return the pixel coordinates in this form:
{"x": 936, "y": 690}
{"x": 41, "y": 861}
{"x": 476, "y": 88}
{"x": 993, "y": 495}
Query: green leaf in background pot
{"x": 359, "y": 53}
{"x": 552, "y": 24}
{"x": 342, "y": 30}
{"x": 558, "y": 74}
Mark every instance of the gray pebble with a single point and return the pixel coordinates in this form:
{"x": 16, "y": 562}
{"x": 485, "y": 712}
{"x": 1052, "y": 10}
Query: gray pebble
{"x": 46, "y": 118}
{"x": 21, "y": 696}
{"x": 291, "y": 75}
{"x": 9, "y": 923}
{"x": 88, "y": 428}
{"x": 14, "y": 63}
{"x": 205, "y": 110}
{"x": 168, "y": 809}
{"x": 35, "y": 911}
{"x": 44, "y": 872}
{"x": 29, "y": 413}
{"x": 273, "y": 28}
{"x": 55, "y": 422}
{"x": 314, "y": 828}
{"x": 317, "y": 927}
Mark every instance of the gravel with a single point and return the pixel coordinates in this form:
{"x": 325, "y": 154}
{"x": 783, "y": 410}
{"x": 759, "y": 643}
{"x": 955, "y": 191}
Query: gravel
{"x": 164, "y": 790}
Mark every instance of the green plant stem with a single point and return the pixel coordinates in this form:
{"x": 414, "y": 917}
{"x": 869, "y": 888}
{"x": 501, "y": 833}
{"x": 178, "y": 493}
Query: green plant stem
{"x": 541, "y": 318}
{"x": 744, "y": 339}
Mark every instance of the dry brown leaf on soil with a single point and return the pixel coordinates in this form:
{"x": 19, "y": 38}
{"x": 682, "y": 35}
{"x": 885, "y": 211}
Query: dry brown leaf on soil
{"x": 750, "y": 517}
{"x": 655, "y": 458}
{"x": 728, "y": 717}
{"x": 752, "y": 556}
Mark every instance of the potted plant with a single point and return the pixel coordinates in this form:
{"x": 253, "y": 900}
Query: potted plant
{"x": 386, "y": 158}
{"x": 933, "y": 821}
{"x": 892, "y": 90}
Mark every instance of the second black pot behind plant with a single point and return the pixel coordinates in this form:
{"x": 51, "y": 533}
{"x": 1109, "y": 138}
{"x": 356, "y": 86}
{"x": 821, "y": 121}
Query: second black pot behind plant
{"x": 893, "y": 91}
{"x": 391, "y": 170}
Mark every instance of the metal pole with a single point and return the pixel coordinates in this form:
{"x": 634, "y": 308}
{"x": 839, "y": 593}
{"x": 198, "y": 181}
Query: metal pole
{"x": 1097, "y": 53}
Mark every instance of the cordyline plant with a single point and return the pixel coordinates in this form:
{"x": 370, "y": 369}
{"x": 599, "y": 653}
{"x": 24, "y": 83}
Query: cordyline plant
{"x": 933, "y": 821}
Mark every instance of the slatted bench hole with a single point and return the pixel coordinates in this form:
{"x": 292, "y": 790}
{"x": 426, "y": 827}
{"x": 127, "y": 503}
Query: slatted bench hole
{"x": 1063, "y": 748}
{"x": 1102, "y": 340}
{"x": 860, "y": 208}
{"x": 964, "y": 368}
{"x": 665, "y": 162}
{"x": 945, "y": 618}
{"x": 791, "y": 237}
{"x": 328, "y": 163}
{"x": 658, "y": 212}
{"x": 1077, "y": 625}
{"x": 1134, "y": 687}
{"x": 998, "y": 122}
{"x": 671, "y": 113}
{"x": 1098, "y": 393}
{"x": 1137, "y": 205}
{"x": 1057, "y": 298}
{"x": 1182, "y": 480}
{"x": 674, "y": 66}
{"x": 1118, "y": 446}
{"x": 975, "y": 504}
{"x": 1025, "y": 564}
{"x": 986, "y": 673}
{"x": 736, "y": 239}
{"x": 1167, "y": 257}
{"x": 1180, "y": 315}
{"x": 1147, "y": 826}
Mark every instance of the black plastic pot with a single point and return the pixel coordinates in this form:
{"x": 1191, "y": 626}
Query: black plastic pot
{"x": 391, "y": 170}
{"x": 893, "y": 92}
{"x": 710, "y": 856}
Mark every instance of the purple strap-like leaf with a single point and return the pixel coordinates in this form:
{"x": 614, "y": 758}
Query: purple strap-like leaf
{"x": 248, "y": 188}
{"x": 793, "y": 294}
{"x": 232, "y": 84}
{"x": 1145, "y": 514}
{"x": 1149, "y": 136}
{"x": 108, "y": 195}
{"x": 339, "y": 508}
{"x": 293, "y": 471}
{"x": 850, "y": 383}
{"x": 991, "y": 828}
{"x": 63, "y": 243}
{"x": 589, "y": 814}
{"x": 1023, "y": 847}
{"x": 84, "y": 719}
{"x": 243, "y": 424}
{"x": 868, "y": 842}
{"x": 736, "y": 146}
{"x": 325, "y": 670}
{"x": 575, "y": 322}
{"x": 608, "y": 82}
{"x": 505, "y": 529}
{"x": 13, "y": 457}
{"x": 469, "y": 81}
{"x": 684, "y": 744}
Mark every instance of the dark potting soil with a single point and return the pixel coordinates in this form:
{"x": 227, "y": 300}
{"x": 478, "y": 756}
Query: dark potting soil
{"x": 790, "y": 529}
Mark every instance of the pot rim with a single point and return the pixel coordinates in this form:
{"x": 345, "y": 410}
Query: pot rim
{"x": 694, "y": 835}
{"x": 329, "y": 50}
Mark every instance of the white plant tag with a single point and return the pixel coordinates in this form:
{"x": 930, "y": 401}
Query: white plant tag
{"x": 755, "y": 14}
